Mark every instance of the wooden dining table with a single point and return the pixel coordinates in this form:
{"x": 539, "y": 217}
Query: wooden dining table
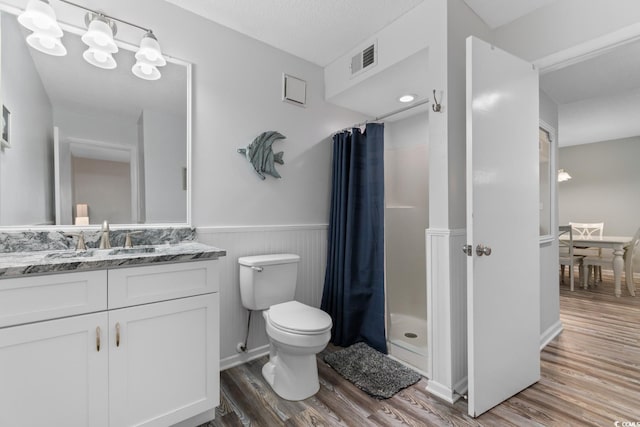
{"x": 619, "y": 244}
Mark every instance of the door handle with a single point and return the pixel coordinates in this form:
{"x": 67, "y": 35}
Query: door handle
{"x": 118, "y": 334}
{"x": 467, "y": 249}
{"x": 97, "y": 338}
{"x": 483, "y": 250}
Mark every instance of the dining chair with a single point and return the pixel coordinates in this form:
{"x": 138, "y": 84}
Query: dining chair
{"x": 607, "y": 261}
{"x": 566, "y": 255}
{"x": 589, "y": 230}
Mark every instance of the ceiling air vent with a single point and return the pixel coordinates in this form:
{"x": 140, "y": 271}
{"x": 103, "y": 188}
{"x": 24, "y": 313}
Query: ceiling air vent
{"x": 365, "y": 59}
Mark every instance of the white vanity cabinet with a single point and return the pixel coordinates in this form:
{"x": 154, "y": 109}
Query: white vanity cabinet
{"x": 52, "y": 374}
{"x": 148, "y": 357}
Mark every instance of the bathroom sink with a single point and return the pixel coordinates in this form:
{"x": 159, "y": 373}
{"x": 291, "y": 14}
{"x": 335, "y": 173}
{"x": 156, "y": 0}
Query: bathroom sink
{"x": 70, "y": 254}
{"x": 132, "y": 251}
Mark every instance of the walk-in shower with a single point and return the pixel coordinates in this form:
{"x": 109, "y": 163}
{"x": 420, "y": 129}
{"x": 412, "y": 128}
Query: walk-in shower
{"x": 406, "y": 219}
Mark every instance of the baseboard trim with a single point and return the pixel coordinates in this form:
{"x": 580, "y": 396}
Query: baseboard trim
{"x": 443, "y": 392}
{"x": 241, "y": 358}
{"x": 552, "y": 332}
{"x": 461, "y": 387}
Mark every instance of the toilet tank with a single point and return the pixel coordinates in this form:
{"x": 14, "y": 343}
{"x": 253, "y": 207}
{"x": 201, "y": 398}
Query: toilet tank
{"x": 266, "y": 280}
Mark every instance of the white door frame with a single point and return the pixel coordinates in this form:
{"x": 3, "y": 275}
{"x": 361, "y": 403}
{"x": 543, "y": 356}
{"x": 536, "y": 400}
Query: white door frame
{"x": 588, "y": 49}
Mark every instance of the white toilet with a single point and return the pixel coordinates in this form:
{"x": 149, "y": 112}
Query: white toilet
{"x": 297, "y": 332}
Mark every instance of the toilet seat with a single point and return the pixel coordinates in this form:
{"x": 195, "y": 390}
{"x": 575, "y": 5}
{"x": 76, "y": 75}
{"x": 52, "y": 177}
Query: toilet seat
{"x": 297, "y": 318}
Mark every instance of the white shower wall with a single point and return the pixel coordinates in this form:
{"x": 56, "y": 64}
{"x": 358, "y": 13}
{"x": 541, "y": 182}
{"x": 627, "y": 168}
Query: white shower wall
{"x": 406, "y": 219}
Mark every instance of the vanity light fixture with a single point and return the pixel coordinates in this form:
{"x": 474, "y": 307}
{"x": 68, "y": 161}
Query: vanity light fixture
{"x": 407, "y": 98}
{"x": 148, "y": 58}
{"x": 99, "y": 38}
{"x": 40, "y": 18}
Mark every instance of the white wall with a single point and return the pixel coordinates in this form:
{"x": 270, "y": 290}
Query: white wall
{"x": 142, "y": 199}
{"x": 400, "y": 39}
{"x": 563, "y": 24}
{"x": 96, "y": 125}
{"x": 105, "y": 186}
{"x": 604, "y": 186}
{"x": 461, "y": 23}
{"x": 600, "y": 119}
{"x": 548, "y": 110}
{"x": 66, "y": 184}
{"x": 26, "y": 169}
{"x": 164, "y": 158}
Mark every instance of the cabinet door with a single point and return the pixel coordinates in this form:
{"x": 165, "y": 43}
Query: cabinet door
{"x": 53, "y": 373}
{"x": 163, "y": 361}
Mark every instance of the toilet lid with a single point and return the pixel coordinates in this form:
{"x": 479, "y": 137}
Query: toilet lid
{"x": 299, "y": 318}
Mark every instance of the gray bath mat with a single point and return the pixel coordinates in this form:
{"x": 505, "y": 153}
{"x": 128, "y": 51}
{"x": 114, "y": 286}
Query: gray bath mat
{"x": 372, "y": 371}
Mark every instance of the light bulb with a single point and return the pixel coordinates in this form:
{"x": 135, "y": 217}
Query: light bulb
{"x": 406, "y": 98}
{"x": 47, "y": 42}
{"x": 99, "y": 56}
{"x": 42, "y": 22}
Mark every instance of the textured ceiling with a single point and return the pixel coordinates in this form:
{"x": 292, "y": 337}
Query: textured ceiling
{"x": 496, "y": 13}
{"x": 316, "y": 30}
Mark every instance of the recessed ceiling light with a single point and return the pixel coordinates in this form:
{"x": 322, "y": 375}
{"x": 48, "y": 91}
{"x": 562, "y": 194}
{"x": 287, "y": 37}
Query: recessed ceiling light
{"x": 407, "y": 98}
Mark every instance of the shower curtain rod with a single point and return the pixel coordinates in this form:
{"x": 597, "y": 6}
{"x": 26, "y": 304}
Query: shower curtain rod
{"x": 384, "y": 116}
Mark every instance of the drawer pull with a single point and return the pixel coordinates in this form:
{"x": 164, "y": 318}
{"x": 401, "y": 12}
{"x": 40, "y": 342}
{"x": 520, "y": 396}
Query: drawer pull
{"x": 97, "y": 338}
{"x": 118, "y": 334}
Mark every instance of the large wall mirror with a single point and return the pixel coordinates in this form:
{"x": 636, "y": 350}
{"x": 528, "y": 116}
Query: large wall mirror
{"x": 85, "y": 141}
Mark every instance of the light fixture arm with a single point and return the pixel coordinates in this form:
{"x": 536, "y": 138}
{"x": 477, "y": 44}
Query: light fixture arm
{"x": 146, "y": 30}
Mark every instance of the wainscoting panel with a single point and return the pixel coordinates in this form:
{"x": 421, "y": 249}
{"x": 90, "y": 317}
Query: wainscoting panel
{"x": 447, "y": 313}
{"x": 308, "y": 241}
{"x": 459, "y": 310}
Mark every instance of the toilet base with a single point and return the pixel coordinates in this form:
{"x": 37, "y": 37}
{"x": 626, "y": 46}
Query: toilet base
{"x": 292, "y": 377}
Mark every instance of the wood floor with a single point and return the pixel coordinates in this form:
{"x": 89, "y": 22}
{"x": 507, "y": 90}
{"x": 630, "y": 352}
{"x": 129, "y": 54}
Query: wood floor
{"x": 590, "y": 376}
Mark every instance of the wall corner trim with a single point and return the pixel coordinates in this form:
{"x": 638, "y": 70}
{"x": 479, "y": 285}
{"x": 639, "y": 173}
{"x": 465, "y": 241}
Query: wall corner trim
{"x": 443, "y": 392}
{"x": 547, "y": 336}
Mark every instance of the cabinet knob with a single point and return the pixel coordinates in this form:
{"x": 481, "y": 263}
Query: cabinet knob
{"x": 97, "y": 338}
{"x": 118, "y": 334}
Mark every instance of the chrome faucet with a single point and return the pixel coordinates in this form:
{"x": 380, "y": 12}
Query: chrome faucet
{"x": 127, "y": 239}
{"x": 80, "y": 245}
{"x": 104, "y": 237}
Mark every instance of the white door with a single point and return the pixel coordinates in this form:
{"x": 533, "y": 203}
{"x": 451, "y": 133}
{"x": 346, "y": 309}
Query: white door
{"x": 163, "y": 361}
{"x": 54, "y": 373}
{"x": 502, "y": 214}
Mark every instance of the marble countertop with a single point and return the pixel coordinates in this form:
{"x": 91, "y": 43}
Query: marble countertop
{"x": 17, "y": 264}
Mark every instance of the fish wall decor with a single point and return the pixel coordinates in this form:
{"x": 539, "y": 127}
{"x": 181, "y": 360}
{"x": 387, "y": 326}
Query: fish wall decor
{"x": 260, "y": 154}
